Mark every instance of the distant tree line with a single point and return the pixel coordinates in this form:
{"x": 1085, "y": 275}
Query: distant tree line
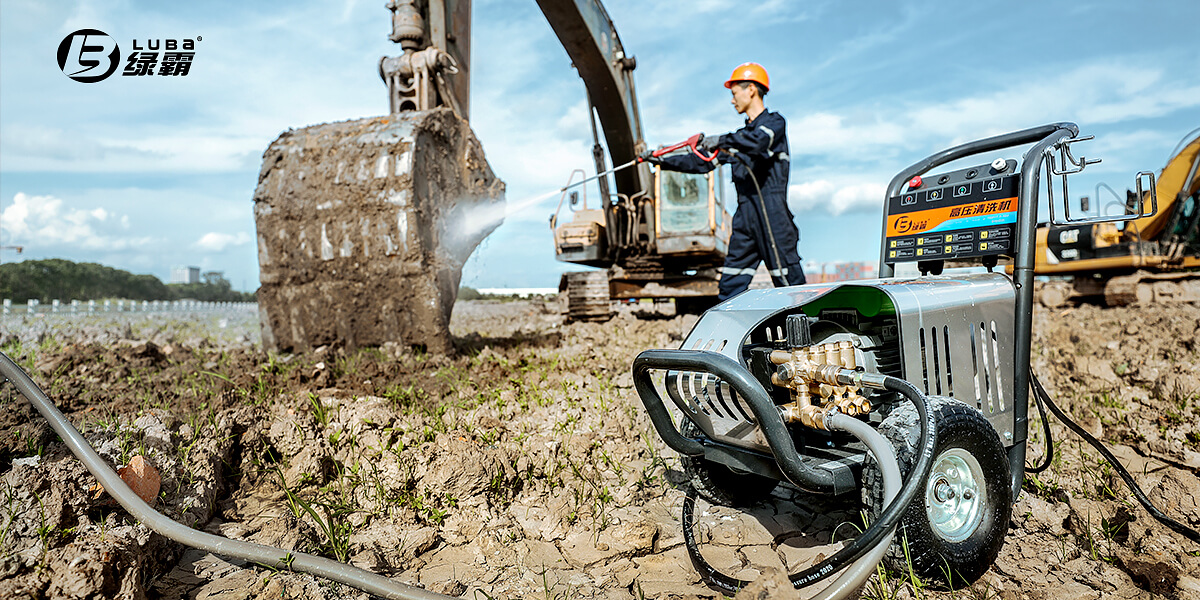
{"x": 55, "y": 278}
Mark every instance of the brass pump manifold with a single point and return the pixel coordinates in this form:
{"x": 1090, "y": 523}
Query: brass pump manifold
{"x": 813, "y": 372}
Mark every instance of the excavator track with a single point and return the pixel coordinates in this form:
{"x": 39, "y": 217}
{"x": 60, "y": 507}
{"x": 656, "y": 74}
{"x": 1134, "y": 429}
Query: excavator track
{"x": 1140, "y": 288}
{"x": 1145, "y": 287}
{"x": 588, "y": 296}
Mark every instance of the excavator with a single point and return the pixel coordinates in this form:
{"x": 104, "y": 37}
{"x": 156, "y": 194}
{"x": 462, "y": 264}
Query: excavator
{"x": 659, "y": 234}
{"x": 1151, "y": 259}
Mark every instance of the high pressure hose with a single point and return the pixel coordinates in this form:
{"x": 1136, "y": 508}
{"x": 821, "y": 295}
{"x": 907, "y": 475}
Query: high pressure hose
{"x": 762, "y": 209}
{"x": 269, "y": 556}
{"x": 871, "y": 542}
{"x": 1040, "y": 393}
{"x": 854, "y": 577}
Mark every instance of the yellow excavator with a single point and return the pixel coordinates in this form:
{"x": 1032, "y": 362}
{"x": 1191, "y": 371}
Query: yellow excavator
{"x": 659, "y": 234}
{"x": 1154, "y": 258}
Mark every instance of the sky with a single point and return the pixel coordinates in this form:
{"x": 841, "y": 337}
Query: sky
{"x": 149, "y": 173}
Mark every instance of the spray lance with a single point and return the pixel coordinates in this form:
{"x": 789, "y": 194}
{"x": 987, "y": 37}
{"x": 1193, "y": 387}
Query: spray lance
{"x": 695, "y": 143}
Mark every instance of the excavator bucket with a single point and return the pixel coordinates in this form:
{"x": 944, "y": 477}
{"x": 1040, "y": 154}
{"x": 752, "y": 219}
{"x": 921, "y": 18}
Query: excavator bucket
{"x": 364, "y": 226}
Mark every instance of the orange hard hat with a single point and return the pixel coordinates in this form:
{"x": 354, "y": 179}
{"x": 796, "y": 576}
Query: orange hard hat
{"x": 749, "y": 72}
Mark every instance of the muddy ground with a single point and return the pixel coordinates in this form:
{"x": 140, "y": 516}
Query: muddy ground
{"x": 523, "y": 466}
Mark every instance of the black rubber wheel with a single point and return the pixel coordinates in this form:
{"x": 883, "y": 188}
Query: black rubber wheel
{"x": 718, "y": 483}
{"x": 956, "y": 524}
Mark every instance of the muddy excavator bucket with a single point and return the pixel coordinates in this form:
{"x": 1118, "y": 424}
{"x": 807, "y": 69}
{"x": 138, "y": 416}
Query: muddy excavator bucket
{"x": 364, "y": 226}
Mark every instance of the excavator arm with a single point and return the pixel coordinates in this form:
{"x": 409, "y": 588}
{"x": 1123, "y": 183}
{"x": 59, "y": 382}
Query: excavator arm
{"x": 590, "y": 38}
{"x": 1176, "y": 182}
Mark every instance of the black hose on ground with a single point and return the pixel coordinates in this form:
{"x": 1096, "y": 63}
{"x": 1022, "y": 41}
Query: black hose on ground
{"x": 862, "y": 544}
{"x": 1174, "y": 525}
{"x": 1048, "y": 456}
{"x": 269, "y": 556}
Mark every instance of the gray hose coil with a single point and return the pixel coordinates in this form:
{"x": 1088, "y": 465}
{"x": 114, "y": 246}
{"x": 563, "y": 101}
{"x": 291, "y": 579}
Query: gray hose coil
{"x": 264, "y": 555}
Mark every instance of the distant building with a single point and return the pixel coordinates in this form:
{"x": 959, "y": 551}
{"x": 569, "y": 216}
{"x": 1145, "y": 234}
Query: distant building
{"x": 839, "y": 271}
{"x": 185, "y": 274}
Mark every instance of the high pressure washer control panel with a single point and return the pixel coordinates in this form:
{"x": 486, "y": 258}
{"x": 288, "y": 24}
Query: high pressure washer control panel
{"x": 962, "y": 214}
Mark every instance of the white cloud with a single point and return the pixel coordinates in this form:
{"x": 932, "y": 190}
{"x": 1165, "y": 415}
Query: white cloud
{"x": 825, "y": 196}
{"x": 31, "y": 148}
{"x": 216, "y": 242}
{"x": 826, "y": 134}
{"x": 1092, "y": 94}
{"x": 26, "y": 144}
{"x": 43, "y": 221}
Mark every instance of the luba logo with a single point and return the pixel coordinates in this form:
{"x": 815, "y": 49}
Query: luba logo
{"x": 88, "y": 55}
{"x": 145, "y": 57}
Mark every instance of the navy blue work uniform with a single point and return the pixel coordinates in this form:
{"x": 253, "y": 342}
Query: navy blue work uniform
{"x": 761, "y": 146}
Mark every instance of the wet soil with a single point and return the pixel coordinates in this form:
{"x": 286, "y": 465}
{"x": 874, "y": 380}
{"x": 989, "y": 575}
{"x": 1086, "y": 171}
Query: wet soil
{"x": 522, "y": 465}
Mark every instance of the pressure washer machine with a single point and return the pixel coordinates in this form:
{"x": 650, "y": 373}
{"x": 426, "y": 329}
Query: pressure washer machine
{"x": 767, "y": 386}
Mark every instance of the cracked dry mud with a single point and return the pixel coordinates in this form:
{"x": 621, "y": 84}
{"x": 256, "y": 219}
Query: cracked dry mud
{"x": 523, "y": 466}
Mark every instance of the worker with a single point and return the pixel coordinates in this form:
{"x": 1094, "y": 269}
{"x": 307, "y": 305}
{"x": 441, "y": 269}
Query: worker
{"x": 763, "y": 226}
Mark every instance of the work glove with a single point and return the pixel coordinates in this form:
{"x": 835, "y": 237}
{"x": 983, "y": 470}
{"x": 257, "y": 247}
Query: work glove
{"x": 710, "y": 144}
{"x": 648, "y": 156}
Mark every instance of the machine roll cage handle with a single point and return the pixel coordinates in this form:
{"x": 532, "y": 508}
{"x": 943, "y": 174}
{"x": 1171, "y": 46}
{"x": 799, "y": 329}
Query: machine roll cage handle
{"x": 1071, "y": 165}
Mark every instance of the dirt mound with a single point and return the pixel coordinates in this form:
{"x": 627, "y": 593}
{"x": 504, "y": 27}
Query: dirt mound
{"x": 522, "y": 465}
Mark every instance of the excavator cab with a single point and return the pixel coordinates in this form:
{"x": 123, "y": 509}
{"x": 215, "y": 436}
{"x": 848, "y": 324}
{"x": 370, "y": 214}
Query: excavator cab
{"x": 685, "y": 215}
{"x": 691, "y": 217}
{"x": 660, "y": 245}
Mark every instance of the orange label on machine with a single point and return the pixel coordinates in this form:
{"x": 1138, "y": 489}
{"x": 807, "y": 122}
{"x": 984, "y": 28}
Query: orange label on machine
{"x": 976, "y": 214}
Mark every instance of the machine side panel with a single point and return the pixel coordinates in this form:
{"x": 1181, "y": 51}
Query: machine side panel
{"x": 955, "y": 341}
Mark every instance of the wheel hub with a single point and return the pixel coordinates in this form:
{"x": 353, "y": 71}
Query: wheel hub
{"x": 955, "y": 495}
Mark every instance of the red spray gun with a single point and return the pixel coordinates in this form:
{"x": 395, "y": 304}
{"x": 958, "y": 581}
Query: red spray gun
{"x": 693, "y": 143}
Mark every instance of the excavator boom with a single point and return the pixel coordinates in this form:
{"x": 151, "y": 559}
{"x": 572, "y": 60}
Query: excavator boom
{"x": 590, "y": 38}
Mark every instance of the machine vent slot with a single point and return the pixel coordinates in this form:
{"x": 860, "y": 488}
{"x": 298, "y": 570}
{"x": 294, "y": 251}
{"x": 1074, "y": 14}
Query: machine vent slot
{"x": 995, "y": 344}
{"x": 708, "y": 394}
{"x": 707, "y": 345}
{"x": 724, "y": 390}
{"x": 937, "y": 371}
{"x": 675, "y": 385}
{"x": 696, "y": 396}
{"x": 924, "y": 363}
{"x": 975, "y": 369}
{"x": 985, "y": 369}
{"x": 936, "y": 361}
{"x": 949, "y": 370}
{"x": 717, "y": 388}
